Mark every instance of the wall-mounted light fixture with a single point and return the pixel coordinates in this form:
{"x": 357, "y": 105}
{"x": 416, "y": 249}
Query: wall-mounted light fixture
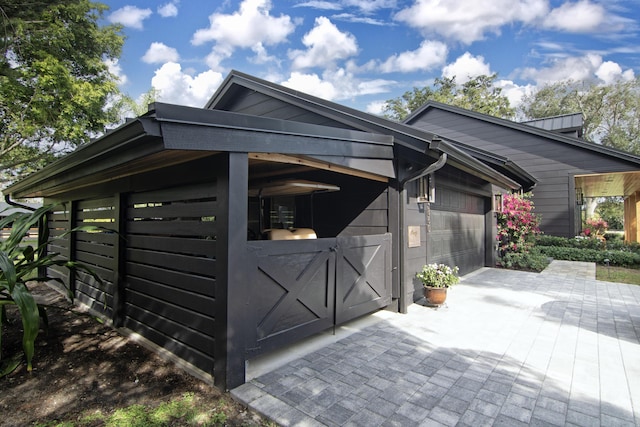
{"x": 497, "y": 202}
{"x": 426, "y": 189}
{"x": 579, "y": 196}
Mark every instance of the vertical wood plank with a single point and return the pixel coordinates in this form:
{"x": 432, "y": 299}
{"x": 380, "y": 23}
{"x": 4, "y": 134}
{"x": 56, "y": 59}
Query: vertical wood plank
{"x": 231, "y": 281}
{"x": 120, "y": 206}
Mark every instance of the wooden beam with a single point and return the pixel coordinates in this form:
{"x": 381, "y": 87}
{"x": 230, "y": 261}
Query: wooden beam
{"x": 283, "y": 158}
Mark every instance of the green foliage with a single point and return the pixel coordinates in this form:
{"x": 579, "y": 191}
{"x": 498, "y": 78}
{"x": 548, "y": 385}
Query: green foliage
{"x": 517, "y": 224}
{"x": 55, "y": 86}
{"x": 478, "y": 94}
{"x": 581, "y": 243}
{"x": 611, "y": 112}
{"x": 612, "y": 211}
{"x": 438, "y": 275}
{"x": 183, "y": 411}
{"x": 615, "y": 257}
{"x": 20, "y": 263}
{"x": 532, "y": 260}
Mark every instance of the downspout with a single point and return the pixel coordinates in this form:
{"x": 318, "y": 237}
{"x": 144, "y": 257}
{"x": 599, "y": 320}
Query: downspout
{"x": 7, "y": 199}
{"x": 442, "y": 160}
{"x": 433, "y": 167}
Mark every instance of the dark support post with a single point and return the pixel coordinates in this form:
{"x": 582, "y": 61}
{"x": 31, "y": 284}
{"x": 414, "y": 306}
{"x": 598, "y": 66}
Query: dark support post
{"x": 395, "y": 228}
{"x": 491, "y": 233}
{"x": 72, "y": 245}
{"x": 120, "y": 209}
{"x": 232, "y": 286}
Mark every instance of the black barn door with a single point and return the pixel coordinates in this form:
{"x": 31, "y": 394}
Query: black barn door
{"x": 302, "y": 287}
{"x": 363, "y": 272}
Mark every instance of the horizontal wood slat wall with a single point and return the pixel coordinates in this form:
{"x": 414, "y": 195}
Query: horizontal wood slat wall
{"x": 170, "y": 265}
{"x": 96, "y": 248}
{"x": 58, "y": 224}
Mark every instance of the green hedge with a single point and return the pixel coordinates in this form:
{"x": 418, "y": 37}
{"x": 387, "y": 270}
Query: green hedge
{"x": 533, "y": 260}
{"x": 615, "y": 257}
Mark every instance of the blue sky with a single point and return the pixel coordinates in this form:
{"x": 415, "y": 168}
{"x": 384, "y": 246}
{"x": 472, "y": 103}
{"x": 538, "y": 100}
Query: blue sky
{"x": 362, "y": 52}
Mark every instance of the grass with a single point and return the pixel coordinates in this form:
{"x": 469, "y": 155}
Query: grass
{"x": 618, "y": 274}
{"x": 186, "y": 411}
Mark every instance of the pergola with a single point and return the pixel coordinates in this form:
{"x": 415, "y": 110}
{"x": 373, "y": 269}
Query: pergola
{"x": 621, "y": 184}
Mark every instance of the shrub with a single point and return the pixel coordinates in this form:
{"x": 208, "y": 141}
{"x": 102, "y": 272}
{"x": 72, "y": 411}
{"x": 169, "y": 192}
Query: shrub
{"x": 619, "y": 258}
{"x": 530, "y": 261}
{"x": 517, "y": 224}
{"x": 19, "y": 264}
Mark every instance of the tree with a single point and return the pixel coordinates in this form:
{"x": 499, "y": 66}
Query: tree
{"x": 478, "y": 94}
{"x": 611, "y": 112}
{"x": 55, "y": 86}
{"x": 612, "y": 211}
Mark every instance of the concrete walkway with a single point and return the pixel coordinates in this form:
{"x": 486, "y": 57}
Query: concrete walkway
{"x": 510, "y": 348}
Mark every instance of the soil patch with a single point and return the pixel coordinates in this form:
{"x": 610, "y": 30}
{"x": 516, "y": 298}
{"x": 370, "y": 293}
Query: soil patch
{"x": 82, "y": 366}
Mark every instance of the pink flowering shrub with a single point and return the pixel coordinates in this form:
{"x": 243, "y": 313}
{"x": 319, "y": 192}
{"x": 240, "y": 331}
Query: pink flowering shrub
{"x": 595, "y": 226}
{"x": 517, "y": 224}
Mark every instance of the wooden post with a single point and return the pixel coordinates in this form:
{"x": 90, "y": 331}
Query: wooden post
{"x": 232, "y": 286}
{"x": 120, "y": 208}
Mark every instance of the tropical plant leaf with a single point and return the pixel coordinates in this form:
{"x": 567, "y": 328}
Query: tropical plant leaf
{"x": 9, "y": 365}
{"x": 9, "y": 276}
{"x": 30, "y": 319}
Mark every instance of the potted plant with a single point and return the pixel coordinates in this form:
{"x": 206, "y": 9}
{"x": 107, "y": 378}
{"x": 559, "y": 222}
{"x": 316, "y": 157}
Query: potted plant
{"x": 436, "y": 279}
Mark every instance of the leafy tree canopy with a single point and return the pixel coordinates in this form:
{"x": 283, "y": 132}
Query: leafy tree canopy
{"x": 478, "y": 94}
{"x": 611, "y": 112}
{"x": 55, "y": 86}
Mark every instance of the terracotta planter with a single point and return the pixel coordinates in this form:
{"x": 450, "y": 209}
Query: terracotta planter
{"x": 435, "y": 296}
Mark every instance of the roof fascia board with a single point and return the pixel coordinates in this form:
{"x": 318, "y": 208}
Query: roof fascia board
{"x": 92, "y": 154}
{"x": 362, "y": 121}
{"x": 357, "y": 119}
{"x": 580, "y": 143}
{"x": 468, "y": 163}
{"x": 178, "y": 136}
{"x": 168, "y": 113}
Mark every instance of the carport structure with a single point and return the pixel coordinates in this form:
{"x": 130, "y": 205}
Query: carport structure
{"x": 187, "y": 199}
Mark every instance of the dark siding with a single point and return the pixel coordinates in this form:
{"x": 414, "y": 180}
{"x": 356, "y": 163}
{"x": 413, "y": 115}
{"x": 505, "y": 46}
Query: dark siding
{"x": 553, "y": 163}
{"x": 258, "y": 104}
{"x": 58, "y": 224}
{"x": 171, "y": 269}
{"x": 96, "y": 249}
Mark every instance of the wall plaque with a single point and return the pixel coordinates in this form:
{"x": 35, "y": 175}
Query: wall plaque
{"x": 414, "y": 236}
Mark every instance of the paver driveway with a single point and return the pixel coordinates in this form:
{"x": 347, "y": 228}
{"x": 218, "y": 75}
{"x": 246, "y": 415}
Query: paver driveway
{"x": 510, "y": 348}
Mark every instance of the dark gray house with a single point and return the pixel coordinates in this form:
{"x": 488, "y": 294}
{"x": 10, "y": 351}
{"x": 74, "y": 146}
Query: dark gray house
{"x": 567, "y": 168}
{"x": 265, "y": 218}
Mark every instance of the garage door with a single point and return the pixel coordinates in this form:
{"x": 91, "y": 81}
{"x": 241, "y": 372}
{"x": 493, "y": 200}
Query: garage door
{"x": 457, "y": 230}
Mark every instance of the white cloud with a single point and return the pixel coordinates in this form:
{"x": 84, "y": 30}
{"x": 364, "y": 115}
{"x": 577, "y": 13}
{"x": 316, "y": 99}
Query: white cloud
{"x": 336, "y": 85}
{"x": 610, "y": 72}
{"x": 116, "y": 69}
{"x": 168, "y": 10}
{"x": 376, "y": 107}
{"x": 324, "y": 5}
{"x": 514, "y": 92}
{"x": 466, "y": 67}
{"x": 325, "y": 45}
{"x": 467, "y": 21}
{"x": 571, "y": 68}
{"x": 252, "y": 23}
{"x": 430, "y": 54}
{"x": 350, "y": 17}
{"x": 370, "y": 6}
{"x": 311, "y": 84}
{"x": 130, "y": 16}
{"x": 580, "y": 17}
{"x": 159, "y": 53}
{"x": 175, "y": 86}
{"x": 250, "y": 26}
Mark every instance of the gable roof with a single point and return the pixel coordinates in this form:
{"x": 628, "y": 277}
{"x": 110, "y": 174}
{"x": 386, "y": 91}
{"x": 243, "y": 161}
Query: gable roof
{"x": 403, "y": 135}
{"x": 171, "y": 134}
{"x": 521, "y": 127}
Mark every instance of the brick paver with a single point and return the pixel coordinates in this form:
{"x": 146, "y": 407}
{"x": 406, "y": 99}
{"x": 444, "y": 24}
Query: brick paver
{"x": 510, "y": 348}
